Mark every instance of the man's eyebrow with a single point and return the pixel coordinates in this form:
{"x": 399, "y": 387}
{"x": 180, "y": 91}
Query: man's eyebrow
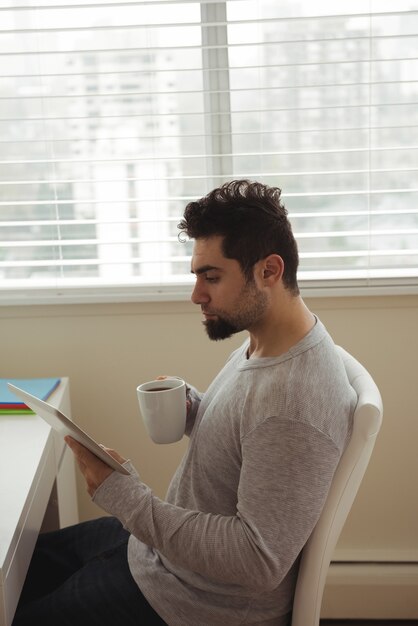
{"x": 205, "y": 268}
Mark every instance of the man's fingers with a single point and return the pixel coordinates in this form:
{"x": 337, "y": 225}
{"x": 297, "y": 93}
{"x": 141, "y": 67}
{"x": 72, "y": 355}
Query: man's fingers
{"x": 115, "y": 455}
{"x": 74, "y": 445}
{"x": 92, "y": 468}
{"x": 79, "y": 450}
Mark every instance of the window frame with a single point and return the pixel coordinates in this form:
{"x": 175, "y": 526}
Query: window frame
{"x": 217, "y": 112}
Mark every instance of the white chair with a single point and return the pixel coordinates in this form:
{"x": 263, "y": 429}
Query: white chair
{"x": 317, "y": 553}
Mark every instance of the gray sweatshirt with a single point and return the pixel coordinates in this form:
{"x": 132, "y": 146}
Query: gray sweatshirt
{"x": 265, "y": 440}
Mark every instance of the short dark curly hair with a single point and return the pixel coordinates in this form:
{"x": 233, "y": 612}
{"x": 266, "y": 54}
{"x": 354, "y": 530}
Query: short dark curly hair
{"x": 252, "y": 220}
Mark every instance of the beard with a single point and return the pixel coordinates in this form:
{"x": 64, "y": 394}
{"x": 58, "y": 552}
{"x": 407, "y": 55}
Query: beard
{"x": 251, "y": 307}
{"x": 220, "y": 329}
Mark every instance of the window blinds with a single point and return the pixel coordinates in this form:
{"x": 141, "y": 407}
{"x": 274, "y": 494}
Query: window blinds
{"x": 113, "y": 115}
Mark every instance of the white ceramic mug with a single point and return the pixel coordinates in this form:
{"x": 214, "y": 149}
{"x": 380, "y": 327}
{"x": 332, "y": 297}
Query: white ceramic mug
{"x": 163, "y": 408}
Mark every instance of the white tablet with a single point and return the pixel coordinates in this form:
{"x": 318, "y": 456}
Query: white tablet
{"x": 65, "y": 426}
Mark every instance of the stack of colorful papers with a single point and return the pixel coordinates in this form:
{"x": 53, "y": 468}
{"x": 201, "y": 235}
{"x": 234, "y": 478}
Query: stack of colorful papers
{"x": 39, "y": 387}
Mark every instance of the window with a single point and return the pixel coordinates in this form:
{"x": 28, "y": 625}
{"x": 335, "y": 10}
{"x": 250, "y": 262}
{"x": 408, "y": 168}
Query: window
{"x": 113, "y": 115}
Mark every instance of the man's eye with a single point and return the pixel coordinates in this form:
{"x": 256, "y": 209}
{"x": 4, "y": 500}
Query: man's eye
{"x": 211, "y": 279}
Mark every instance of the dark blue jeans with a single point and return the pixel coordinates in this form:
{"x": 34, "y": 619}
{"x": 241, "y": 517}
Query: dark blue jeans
{"x": 79, "y": 576}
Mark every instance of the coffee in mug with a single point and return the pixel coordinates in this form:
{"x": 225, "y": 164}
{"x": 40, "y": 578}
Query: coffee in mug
{"x": 164, "y": 410}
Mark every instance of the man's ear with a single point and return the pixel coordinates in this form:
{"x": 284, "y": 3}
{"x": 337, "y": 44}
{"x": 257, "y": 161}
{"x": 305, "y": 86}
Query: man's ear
{"x": 272, "y": 268}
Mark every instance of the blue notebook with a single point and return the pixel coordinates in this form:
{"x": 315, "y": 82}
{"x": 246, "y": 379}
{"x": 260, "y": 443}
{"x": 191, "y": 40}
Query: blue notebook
{"x": 39, "y": 387}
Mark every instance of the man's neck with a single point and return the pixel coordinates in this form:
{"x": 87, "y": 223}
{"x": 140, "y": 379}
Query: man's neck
{"x": 284, "y": 326}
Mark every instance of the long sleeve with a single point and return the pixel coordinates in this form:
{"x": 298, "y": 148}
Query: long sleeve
{"x": 286, "y": 473}
{"x": 194, "y": 397}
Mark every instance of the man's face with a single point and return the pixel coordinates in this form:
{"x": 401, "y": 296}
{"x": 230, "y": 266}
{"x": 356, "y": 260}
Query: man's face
{"x": 228, "y": 301}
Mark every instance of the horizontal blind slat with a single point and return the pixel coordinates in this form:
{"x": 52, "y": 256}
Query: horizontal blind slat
{"x": 271, "y": 20}
{"x": 294, "y": 216}
{"x": 65, "y": 243}
{"x": 180, "y": 157}
{"x": 319, "y": 194}
{"x": 210, "y": 92}
{"x": 206, "y": 115}
{"x": 138, "y": 260}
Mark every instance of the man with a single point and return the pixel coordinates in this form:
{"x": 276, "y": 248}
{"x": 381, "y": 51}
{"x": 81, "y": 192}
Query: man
{"x": 265, "y": 440}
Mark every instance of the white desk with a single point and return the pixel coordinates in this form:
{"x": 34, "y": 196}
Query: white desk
{"x": 37, "y": 490}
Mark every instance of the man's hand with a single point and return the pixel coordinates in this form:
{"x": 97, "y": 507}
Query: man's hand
{"x": 188, "y": 401}
{"x": 93, "y": 469}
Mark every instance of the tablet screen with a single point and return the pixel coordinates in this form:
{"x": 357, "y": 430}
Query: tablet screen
{"x": 65, "y": 426}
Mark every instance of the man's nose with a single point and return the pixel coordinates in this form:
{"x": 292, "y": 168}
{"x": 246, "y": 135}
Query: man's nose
{"x": 199, "y": 296}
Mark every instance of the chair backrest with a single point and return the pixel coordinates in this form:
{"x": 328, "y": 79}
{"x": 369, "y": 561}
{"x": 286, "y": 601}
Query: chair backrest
{"x": 317, "y": 553}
